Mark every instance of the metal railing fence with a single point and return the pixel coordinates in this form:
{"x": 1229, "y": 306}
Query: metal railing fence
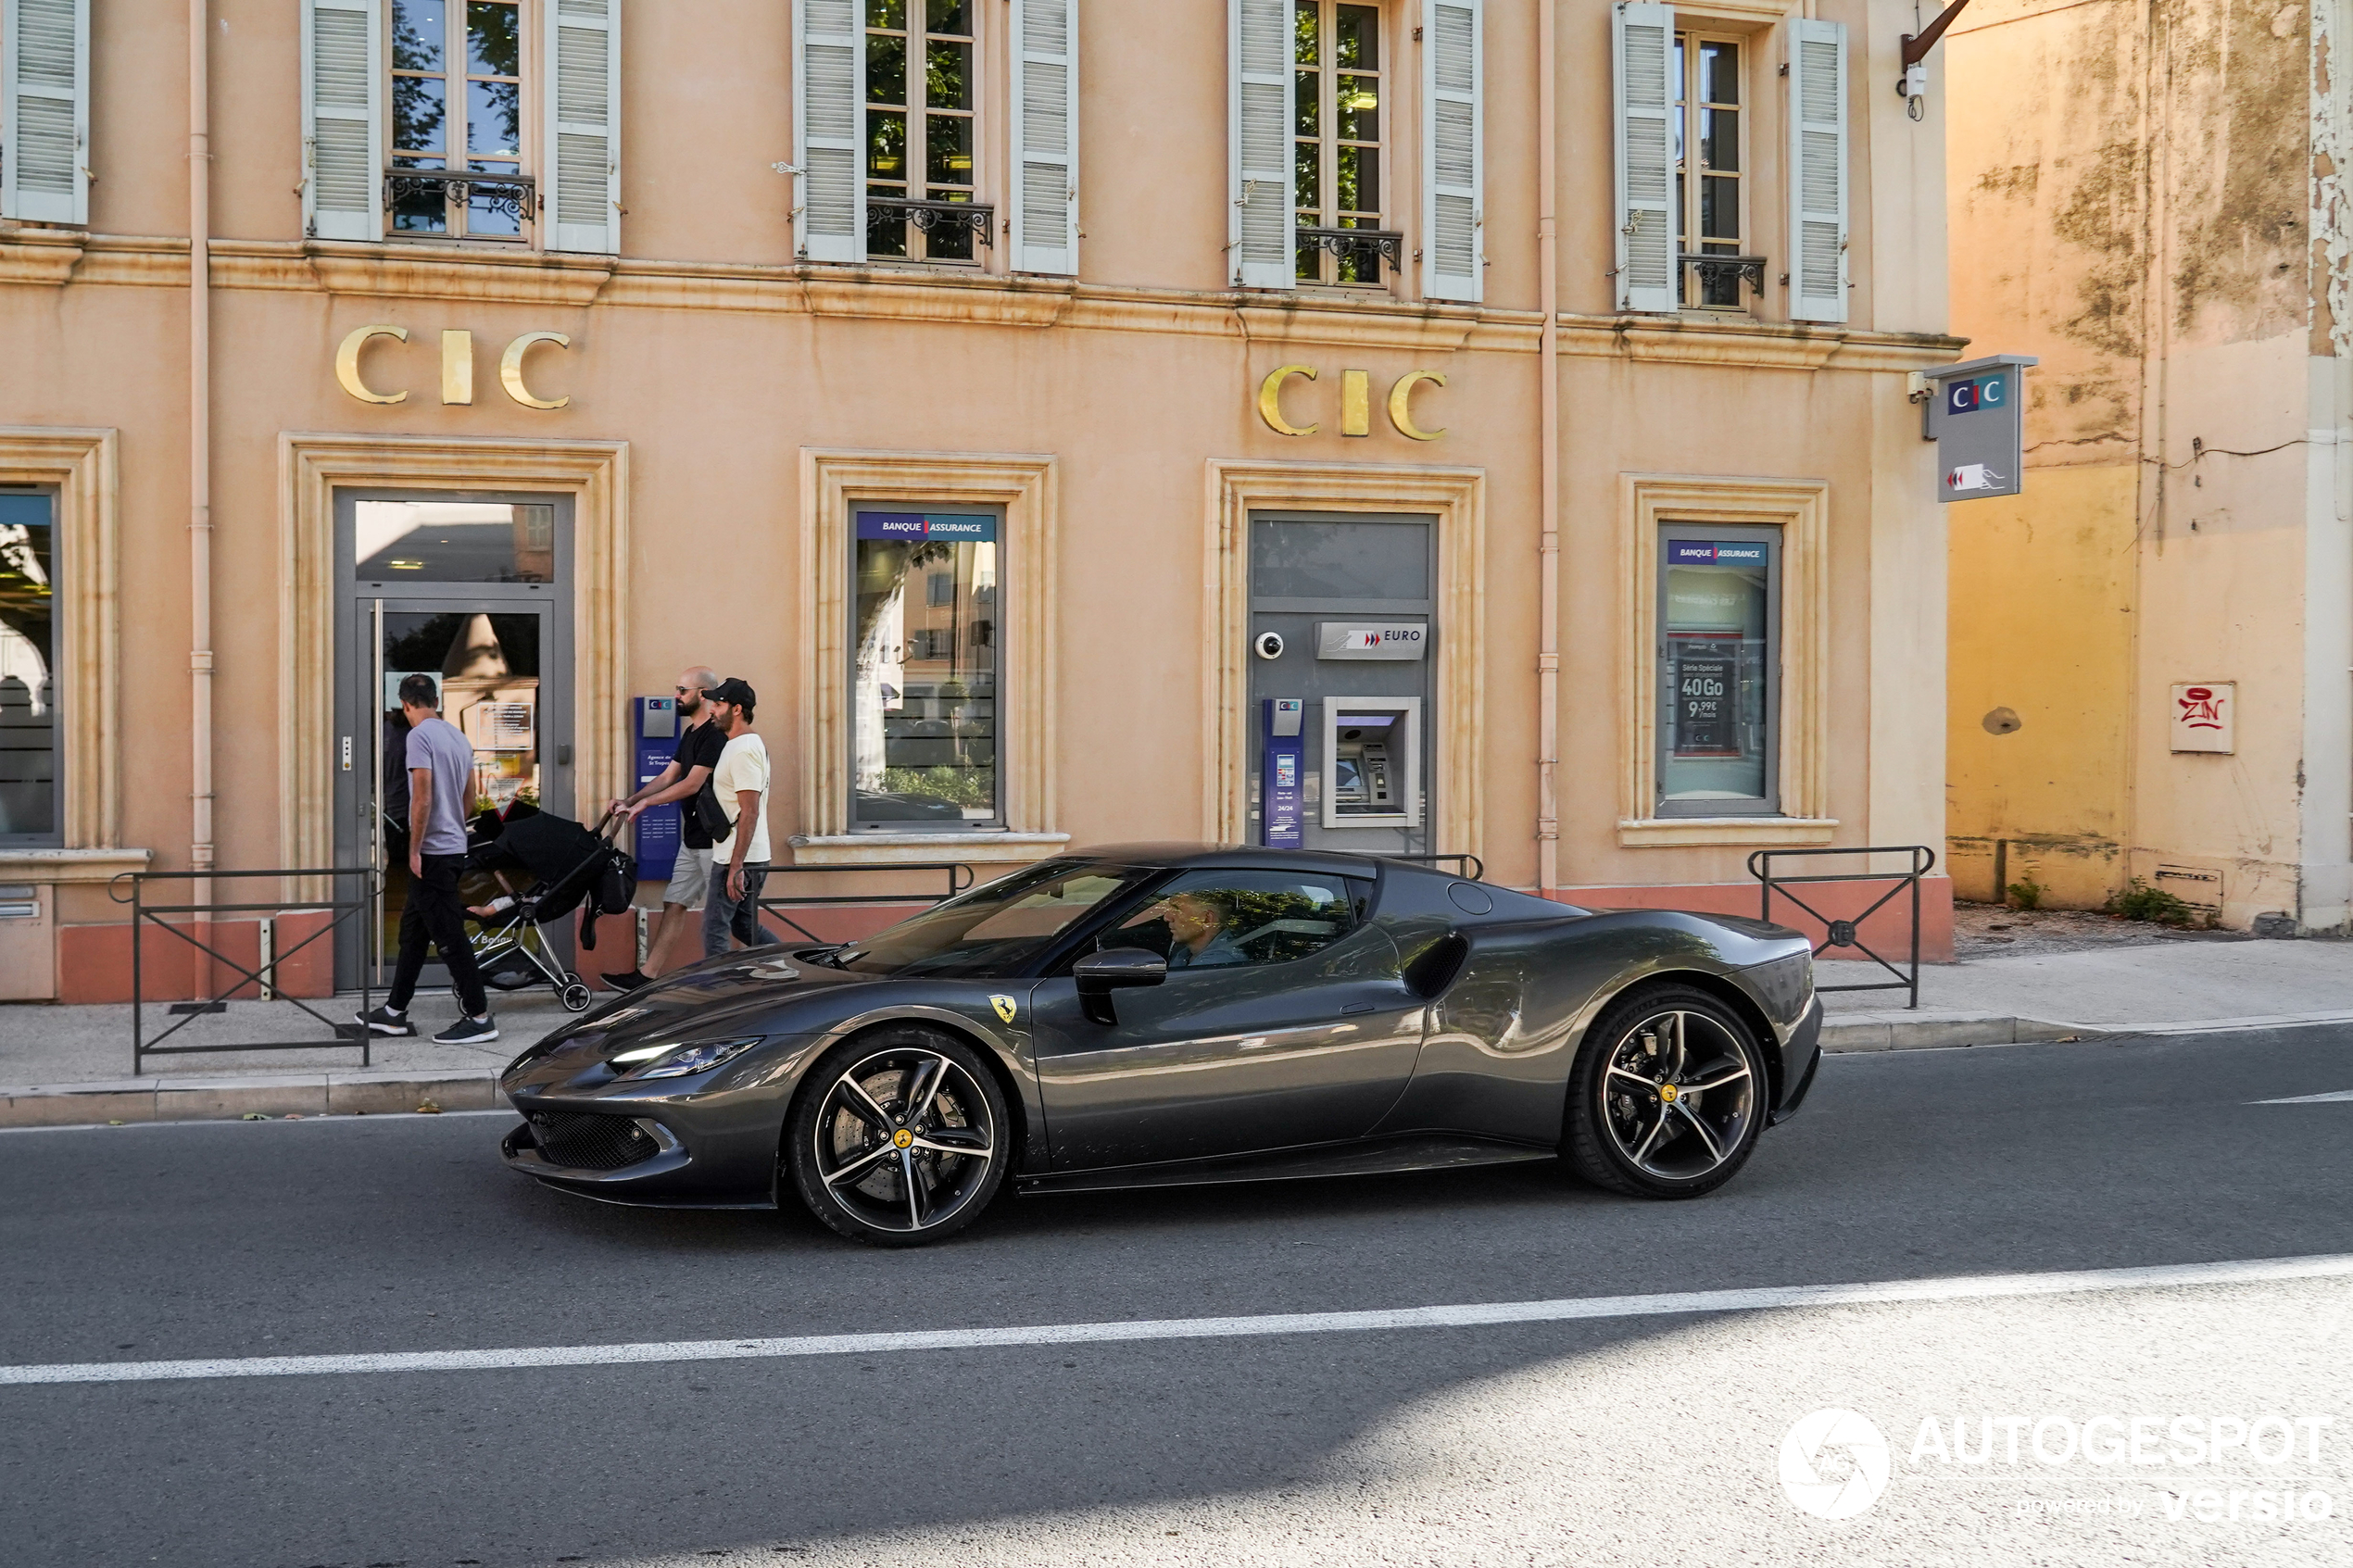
{"x": 959, "y": 876}
{"x": 1838, "y": 932}
{"x": 264, "y": 978}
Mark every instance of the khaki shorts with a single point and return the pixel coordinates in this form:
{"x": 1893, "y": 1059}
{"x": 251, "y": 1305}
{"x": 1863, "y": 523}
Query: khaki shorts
{"x": 689, "y": 879}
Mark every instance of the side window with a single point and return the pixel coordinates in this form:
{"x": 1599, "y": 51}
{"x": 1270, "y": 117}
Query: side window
{"x": 1218, "y": 919}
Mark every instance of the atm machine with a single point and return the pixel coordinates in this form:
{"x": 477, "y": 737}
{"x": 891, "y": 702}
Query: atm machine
{"x": 1341, "y": 664}
{"x": 1341, "y": 751}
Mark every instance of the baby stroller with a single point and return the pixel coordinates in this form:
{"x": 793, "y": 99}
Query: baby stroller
{"x": 570, "y": 868}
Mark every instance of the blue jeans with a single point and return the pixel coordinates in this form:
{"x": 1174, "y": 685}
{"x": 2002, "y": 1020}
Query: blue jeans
{"x": 722, "y": 915}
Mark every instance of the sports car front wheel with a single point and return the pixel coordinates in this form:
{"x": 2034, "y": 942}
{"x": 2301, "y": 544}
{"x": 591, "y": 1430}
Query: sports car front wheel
{"x": 899, "y": 1138}
{"x": 1668, "y": 1096}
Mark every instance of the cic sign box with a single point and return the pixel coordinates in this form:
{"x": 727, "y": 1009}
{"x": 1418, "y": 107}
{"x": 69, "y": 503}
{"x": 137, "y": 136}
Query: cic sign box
{"x": 1975, "y": 415}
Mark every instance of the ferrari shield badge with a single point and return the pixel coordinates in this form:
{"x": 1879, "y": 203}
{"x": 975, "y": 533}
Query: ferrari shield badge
{"x": 1004, "y": 1006}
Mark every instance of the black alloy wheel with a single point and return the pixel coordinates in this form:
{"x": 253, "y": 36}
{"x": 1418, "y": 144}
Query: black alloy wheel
{"x": 898, "y": 1137}
{"x": 1668, "y": 1096}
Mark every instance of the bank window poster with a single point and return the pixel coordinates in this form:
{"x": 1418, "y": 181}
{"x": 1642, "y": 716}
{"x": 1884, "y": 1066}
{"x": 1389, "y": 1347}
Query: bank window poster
{"x": 923, "y": 669}
{"x": 1716, "y": 671}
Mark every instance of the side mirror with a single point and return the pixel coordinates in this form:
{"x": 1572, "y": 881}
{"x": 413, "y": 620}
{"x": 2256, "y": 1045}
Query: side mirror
{"x": 1115, "y": 968}
{"x": 1098, "y": 974}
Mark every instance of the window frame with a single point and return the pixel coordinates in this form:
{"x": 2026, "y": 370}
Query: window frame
{"x": 915, "y": 143}
{"x": 456, "y": 73}
{"x": 997, "y": 819}
{"x": 1096, "y": 937}
{"x": 1687, "y": 46}
{"x": 1769, "y": 803}
{"x": 1801, "y": 508}
{"x": 59, "y": 685}
{"x": 1326, "y": 213}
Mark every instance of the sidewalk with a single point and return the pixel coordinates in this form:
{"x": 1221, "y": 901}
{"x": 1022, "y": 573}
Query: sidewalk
{"x": 71, "y": 1065}
{"x": 2136, "y": 986}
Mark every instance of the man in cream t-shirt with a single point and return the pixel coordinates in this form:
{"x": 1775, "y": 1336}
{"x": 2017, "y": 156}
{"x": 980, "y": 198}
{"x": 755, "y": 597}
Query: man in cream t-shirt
{"x": 739, "y": 861}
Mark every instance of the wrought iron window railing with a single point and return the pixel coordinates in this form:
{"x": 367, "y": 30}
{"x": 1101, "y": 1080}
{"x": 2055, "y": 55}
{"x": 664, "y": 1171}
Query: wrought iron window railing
{"x": 512, "y": 195}
{"x": 885, "y": 214}
{"x": 1714, "y": 269}
{"x": 1368, "y": 247}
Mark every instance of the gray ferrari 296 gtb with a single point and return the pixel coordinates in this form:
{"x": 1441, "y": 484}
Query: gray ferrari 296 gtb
{"x": 1157, "y": 1014}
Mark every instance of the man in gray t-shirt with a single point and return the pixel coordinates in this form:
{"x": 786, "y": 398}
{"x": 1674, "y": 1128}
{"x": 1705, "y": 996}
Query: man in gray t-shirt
{"x": 441, "y": 775}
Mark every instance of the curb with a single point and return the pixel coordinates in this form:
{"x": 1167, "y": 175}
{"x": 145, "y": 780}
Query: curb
{"x": 371, "y": 1093}
{"x": 1896, "y": 1031}
{"x": 1900, "y": 1032}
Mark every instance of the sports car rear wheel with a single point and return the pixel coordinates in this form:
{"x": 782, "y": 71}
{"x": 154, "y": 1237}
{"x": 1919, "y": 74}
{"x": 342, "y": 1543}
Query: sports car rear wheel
{"x": 899, "y": 1138}
{"x": 1668, "y": 1096}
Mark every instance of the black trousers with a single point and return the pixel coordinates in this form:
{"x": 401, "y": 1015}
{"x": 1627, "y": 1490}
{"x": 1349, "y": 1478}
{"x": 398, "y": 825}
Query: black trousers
{"x": 435, "y": 911}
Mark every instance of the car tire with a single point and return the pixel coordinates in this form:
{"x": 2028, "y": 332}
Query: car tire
{"x": 1668, "y": 1096}
{"x": 899, "y": 1138}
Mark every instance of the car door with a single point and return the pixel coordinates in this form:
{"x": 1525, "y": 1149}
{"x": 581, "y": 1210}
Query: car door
{"x": 1283, "y": 1020}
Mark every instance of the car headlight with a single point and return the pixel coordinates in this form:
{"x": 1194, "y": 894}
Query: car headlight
{"x": 681, "y": 1057}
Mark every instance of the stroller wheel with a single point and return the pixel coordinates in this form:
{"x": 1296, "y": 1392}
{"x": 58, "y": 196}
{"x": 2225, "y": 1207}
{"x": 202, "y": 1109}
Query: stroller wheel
{"x": 576, "y": 997}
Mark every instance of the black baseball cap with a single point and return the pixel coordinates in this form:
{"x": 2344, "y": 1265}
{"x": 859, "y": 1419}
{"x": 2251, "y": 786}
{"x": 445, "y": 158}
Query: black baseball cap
{"x": 734, "y": 693}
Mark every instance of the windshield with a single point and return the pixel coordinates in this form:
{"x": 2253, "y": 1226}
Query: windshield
{"x": 994, "y": 929}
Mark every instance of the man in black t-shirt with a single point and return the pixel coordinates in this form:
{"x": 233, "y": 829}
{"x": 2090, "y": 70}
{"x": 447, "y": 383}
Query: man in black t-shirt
{"x": 700, "y": 744}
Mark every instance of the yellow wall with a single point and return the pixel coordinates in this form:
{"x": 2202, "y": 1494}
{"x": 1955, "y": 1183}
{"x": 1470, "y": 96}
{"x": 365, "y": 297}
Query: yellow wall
{"x": 2041, "y": 614}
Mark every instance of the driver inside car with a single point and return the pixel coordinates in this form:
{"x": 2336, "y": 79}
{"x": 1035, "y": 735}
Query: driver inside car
{"x": 1200, "y": 934}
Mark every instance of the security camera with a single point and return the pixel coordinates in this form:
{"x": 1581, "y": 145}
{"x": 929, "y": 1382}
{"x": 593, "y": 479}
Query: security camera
{"x": 1270, "y": 645}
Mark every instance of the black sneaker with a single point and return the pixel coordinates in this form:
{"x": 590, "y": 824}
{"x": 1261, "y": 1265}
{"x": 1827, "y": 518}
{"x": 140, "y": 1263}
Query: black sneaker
{"x": 628, "y": 981}
{"x": 384, "y": 1021}
{"x": 468, "y": 1031}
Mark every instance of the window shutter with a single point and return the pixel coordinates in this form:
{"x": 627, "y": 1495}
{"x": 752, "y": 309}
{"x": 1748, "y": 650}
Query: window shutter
{"x": 343, "y": 120}
{"x": 1818, "y": 168}
{"x": 45, "y": 131}
{"x": 1045, "y": 100}
{"x": 830, "y": 98}
{"x": 1261, "y": 229}
{"x": 580, "y": 155}
{"x": 1453, "y": 150}
{"x": 1644, "y": 48}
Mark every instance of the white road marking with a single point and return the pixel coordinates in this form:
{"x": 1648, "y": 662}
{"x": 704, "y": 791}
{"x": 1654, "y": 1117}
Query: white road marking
{"x": 2306, "y": 1100}
{"x": 1770, "y": 1298}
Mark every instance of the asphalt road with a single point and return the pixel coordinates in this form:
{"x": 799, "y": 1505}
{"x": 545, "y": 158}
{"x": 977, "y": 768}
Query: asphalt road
{"x": 1638, "y": 1439}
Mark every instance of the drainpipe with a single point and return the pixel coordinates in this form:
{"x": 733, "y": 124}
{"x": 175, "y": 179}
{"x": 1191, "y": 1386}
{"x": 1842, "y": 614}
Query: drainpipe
{"x": 199, "y": 440}
{"x": 1548, "y": 658}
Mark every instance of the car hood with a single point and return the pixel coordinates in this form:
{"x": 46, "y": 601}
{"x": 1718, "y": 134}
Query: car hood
{"x": 744, "y": 994}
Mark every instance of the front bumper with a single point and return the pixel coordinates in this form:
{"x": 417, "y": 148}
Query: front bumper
{"x": 1801, "y": 1057}
{"x": 710, "y": 1140}
{"x": 593, "y": 1147}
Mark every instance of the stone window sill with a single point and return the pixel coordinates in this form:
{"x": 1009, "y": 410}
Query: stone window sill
{"x": 69, "y": 865}
{"x": 1762, "y": 831}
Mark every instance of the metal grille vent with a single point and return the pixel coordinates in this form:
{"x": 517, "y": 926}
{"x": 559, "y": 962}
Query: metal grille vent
{"x": 590, "y": 1143}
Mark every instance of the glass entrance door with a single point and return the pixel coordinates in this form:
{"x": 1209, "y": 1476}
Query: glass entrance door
{"x": 486, "y": 664}
{"x": 493, "y": 634}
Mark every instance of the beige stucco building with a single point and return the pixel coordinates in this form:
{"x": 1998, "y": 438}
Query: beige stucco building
{"x": 2152, "y": 655}
{"x": 986, "y": 415}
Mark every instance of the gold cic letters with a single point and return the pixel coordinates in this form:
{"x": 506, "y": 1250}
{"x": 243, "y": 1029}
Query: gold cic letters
{"x": 1270, "y": 399}
{"x": 1355, "y": 400}
{"x": 456, "y": 365}
{"x": 1401, "y": 413}
{"x": 511, "y": 369}
{"x": 347, "y": 362}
